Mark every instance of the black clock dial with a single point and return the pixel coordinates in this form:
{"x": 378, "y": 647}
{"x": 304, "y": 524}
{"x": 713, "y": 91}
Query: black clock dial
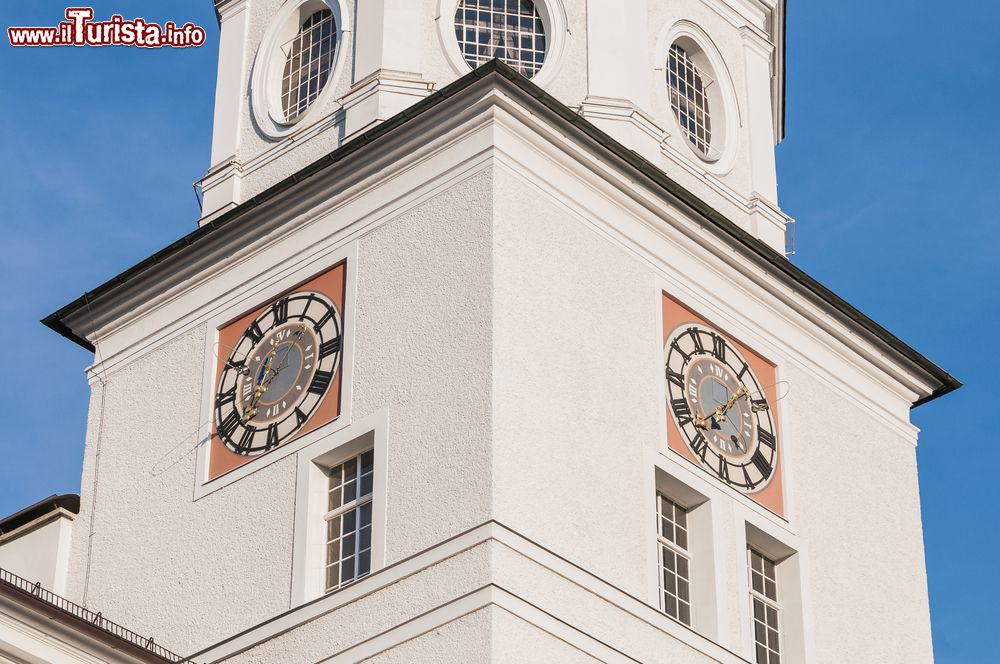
{"x": 279, "y": 373}
{"x": 719, "y": 407}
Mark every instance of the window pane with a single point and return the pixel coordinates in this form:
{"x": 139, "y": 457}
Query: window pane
{"x": 509, "y": 30}
{"x": 364, "y": 563}
{"x": 688, "y": 99}
{"x": 684, "y": 613}
{"x": 349, "y": 534}
{"x": 763, "y": 589}
{"x": 309, "y": 57}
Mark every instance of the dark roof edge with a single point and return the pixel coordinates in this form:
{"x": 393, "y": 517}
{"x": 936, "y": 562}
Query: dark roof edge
{"x": 67, "y": 501}
{"x": 495, "y": 68}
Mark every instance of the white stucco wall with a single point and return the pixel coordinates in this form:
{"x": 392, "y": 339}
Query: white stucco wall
{"x": 40, "y": 554}
{"x": 422, "y": 321}
{"x": 578, "y": 405}
{"x": 858, "y": 504}
{"x": 571, "y": 424}
{"x": 424, "y": 332}
{"x": 507, "y": 319}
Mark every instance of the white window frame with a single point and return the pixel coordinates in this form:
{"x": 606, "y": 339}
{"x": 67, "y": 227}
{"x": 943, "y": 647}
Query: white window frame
{"x": 300, "y": 49}
{"x": 554, "y": 18}
{"x": 356, "y": 506}
{"x": 698, "y": 84}
{"x": 788, "y": 554}
{"x": 768, "y": 603}
{"x": 701, "y": 551}
{"x": 311, "y": 496}
{"x": 679, "y": 552}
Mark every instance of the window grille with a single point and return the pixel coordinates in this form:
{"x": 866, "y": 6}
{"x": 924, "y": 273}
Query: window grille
{"x": 764, "y": 601}
{"x": 349, "y": 521}
{"x": 510, "y": 30}
{"x": 675, "y": 561}
{"x": 688, "y": 98}
{"x": 309, "y": 59}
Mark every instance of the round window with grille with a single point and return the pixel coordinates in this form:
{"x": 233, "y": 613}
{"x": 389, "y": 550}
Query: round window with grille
{"x": 308, "y": 59}
{"x": 689, "y": 99}
{"x": 511, "y": 30}
{"x": 297, "y": 64}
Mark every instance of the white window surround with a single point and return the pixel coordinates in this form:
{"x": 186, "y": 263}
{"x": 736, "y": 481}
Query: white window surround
{"x": 764, "y": 607}
{"x": 701, "y": 549}
{"x": 722, "y": 98}
{"x": 791, "y": 592}
{"x": 675, "y": 560}
{"x": 269, "y": 63}
{"x": 247, "y": 297}
{"x": 553, "y": 15}
{"x": 311, "y": 486}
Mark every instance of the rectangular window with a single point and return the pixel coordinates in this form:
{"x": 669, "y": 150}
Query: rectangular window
{"x": 764, "y": 606}
{"x": 349, "y": 520}
{"x": 675, "y": 560}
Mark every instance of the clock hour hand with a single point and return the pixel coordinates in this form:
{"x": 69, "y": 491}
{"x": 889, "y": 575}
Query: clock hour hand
{"x": 260, "y": 388}
{"x": 271, "y": 371}
{"x": 281, "y": 364}
{"x": 720, "y": 412}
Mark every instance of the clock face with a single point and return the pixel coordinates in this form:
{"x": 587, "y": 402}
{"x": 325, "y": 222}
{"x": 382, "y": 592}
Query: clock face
{"x": 277, "y": 375}
{"x": 720, "y": 407}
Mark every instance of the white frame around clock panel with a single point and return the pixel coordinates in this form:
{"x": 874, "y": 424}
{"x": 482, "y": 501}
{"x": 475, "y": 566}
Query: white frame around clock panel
{"x": 254, "y": 296}
{"x": 725, "y": 323}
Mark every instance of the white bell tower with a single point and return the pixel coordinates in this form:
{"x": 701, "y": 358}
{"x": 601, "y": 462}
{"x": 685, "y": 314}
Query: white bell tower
{"x": 694, "y": 87}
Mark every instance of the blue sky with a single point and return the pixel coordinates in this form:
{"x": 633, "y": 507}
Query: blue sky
{"x": 890, "y": 166}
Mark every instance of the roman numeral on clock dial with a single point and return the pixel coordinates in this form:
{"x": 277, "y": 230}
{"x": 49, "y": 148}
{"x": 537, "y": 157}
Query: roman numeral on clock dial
{"x": 682, "y": 409}
{"x": 246, "y": 442}
{"x": 227, "y": 397}
{"x": 321, "y": 381}
{"x": 254, "y": 333}
{"x": 700, "y": 446}
{"x": 763, "y": 465}
{"x": 228, "y": 425}
{"x": 675, "y": 378}
{"x": 699, "y": 347}
{"x": 330, "y": 347}
{"x": 279, "y": 310}
{"x": 719, "y": 348}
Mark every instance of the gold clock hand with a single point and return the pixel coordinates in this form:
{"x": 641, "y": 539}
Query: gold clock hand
{"x": 281, "y": 364}
{"x": 260, "y": 388}
{"x": 720, "y": 412}
{"x": 270, "y": 373}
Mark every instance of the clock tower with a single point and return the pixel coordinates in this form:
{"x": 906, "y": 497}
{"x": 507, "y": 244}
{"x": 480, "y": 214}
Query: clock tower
{"x": 486, "y": 349}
